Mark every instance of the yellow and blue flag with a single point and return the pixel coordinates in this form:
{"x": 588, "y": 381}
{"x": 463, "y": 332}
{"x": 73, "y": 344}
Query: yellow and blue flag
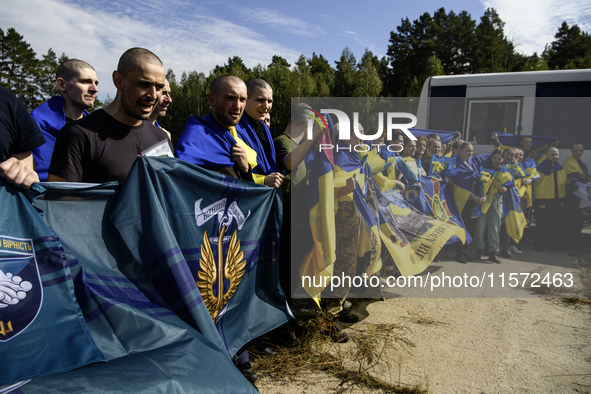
{"x": 443, "y": 206}
{"x": 526, "y": 193}
{"x": 575, "y": 169}
{"x": 320, "y": 201}
{"x": 412, "y": 238}
{"x": 515, "y": 221}
{"x": 512, "y": 140}
{"x": 552, "y": 181}
{"x": 463, "y": 175}
{"x": 444, "y": 136}
{"x": 413, "y": 192}
{"x": 483, "y": 187}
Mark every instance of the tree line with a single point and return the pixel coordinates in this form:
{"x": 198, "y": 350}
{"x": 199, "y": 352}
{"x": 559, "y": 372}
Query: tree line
{"x": 439, "y": 44}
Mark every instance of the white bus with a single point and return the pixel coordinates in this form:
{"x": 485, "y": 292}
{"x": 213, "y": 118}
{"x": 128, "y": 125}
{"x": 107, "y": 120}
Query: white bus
{"x": 546, "y": 103}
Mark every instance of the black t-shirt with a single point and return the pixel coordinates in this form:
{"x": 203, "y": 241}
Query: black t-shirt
{"x": 98, "y": 148}
{"x": 18, "y": 131}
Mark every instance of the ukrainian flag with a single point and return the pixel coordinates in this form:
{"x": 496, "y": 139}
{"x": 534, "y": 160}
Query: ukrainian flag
{"x": 320, "y": 199}
{"x": 444, "y": 136}
{"x": 549, "y": 185}
{"x": 412, "y": 239}
{"x": 463, "y": 176}
{"x": 347, "y": 165}
{"x": 512, "y": 140}
{"x": 437, "y": 166}
{"x": 575, "y": 168}
{"x": 529, "y": 166}
{"x": 486, "y": 177}
{"x": 410, "y": 169}
{"x": 443, "y": 206}
{"x": 515, "y": 220}
{"x": 369, "y": 242}
{"x": 383, "y": 171}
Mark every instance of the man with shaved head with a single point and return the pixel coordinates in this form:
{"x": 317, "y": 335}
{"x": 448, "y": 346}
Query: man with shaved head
{"x": 253, "y": 130}
{"x": 103, "y": 146}
{"x": 162, "y": 107}
{"x": 77, "y": 85}
{"x": 212, "y": 142}
{"x": 550, "y": 192}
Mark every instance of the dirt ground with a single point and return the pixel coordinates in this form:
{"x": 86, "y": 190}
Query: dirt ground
{"x": 510, "y": 340}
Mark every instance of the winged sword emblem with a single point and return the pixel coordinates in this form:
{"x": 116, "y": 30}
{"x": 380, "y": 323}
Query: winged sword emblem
{"x": 212, "y": 274}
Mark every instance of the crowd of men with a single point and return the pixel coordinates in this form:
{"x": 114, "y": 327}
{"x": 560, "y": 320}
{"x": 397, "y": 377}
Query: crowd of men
{"x": 62, "y": 141}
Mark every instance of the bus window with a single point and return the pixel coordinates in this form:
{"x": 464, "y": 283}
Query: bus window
{"x": 486, "y": 117}
{"x": 562, "y": 109}
{"x": 446, "y": 108}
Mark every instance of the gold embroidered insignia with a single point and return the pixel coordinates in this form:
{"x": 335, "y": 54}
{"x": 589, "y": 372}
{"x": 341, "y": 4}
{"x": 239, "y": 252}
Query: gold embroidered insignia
{"x": 211, "y": 276}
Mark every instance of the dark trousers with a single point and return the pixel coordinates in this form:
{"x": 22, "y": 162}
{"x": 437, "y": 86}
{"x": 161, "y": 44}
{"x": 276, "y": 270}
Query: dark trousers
{"x": 549, "y": 222}
{"x": 469, "y": 223}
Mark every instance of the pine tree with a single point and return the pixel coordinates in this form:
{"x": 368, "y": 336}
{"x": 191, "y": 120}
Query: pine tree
{"x": 493, "y": 49}
{"x": 323, "y": 75}
{"x": 19, "y": 68}
{"x": 278, "y": 75}
{"x": 345, "y": 76}
{"x": 302, "y": 83}
{"x": 571, "y": 48}
{"x": 46, "y": 77}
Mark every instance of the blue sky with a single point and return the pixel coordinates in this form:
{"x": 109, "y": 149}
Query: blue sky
{"x": 190, "y": 36}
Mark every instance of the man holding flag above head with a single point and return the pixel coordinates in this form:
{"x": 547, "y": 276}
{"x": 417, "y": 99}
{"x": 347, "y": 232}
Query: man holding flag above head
{"x": 534, "y": 147}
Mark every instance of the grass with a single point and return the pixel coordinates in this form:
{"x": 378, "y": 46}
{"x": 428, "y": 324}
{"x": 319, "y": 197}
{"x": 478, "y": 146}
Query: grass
{"x": 350, "y": 364}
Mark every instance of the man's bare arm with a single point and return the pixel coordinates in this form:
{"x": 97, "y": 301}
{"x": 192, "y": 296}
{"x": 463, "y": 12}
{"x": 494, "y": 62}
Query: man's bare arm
{"x": 19, "y": 170}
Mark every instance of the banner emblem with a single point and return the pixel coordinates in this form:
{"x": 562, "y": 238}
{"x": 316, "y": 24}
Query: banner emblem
{"x": 21, "y": 291}
{"x": 218, "y": 282}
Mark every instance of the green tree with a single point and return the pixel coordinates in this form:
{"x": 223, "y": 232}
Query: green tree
{"x": 345, "y": 76}
{"x": 571, "y": 48}
{"x": 433, "y": 68}
{"x": 494, "y": 50}
{"x": 278, "y": 75}
{"x": 19, "y": 68}
{"x": 323, "y": 75}
{"x": 368, "y": 82}
{"x": 302, "y": 82}
{"x": 235, "y": 66}
{"x": 46, "y": 77}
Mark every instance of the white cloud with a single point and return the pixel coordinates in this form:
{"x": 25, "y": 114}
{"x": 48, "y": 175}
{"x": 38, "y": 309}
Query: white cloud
{"x": 278, "y": 21}
{"x": 532, "y": 25}
{"x": 188, "y": 40}
{"x": 361, "y": 41}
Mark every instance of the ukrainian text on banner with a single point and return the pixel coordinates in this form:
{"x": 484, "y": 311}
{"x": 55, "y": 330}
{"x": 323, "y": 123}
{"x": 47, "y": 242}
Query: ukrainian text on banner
{"x": 412, "y": 238}
{"x": 203, "y": 237}
{"x": 130, "y": 320}
{"x": 42, "y": 330}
